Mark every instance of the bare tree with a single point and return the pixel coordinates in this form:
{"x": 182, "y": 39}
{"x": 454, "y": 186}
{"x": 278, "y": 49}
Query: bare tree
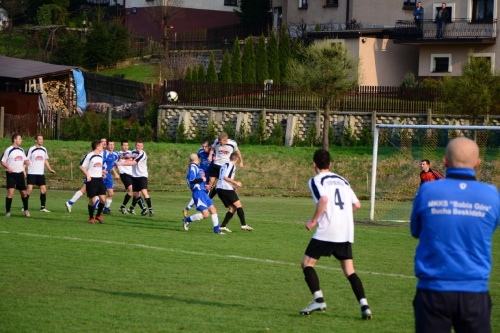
{"x": 162, "y": 12}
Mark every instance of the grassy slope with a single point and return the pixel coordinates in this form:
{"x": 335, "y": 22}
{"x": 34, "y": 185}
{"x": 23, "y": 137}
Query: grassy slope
{"x": 141, "y": 73}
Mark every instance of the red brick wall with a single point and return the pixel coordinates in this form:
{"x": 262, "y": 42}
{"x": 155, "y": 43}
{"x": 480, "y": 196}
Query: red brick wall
{"x": 144, "y": 24}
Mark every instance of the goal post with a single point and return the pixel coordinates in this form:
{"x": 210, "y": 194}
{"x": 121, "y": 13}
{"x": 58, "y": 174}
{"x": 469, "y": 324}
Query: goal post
{"x": 393, "y": 186}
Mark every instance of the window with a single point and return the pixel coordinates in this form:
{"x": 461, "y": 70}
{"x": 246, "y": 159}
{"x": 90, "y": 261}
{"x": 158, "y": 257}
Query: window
{"x": 482, "y": 10}
{"x": 230, "y": 2}
{"x": 330, "y": 3}
{"x": 302, "y": 4}
{"x": 490, "y": 57}
{"x": 441, "y": 63}
{"x": 409, "y": 3}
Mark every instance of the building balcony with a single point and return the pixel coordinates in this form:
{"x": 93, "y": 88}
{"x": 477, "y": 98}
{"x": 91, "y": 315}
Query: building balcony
{"x": 96, "y": 2}
{"x": 457, "y": 31}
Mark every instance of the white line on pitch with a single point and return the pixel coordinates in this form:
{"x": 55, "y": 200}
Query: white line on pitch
{"x": 142, "y": 246}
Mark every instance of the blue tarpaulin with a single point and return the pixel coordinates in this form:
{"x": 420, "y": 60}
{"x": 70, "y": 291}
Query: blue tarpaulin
{"x": 81, "y": 97}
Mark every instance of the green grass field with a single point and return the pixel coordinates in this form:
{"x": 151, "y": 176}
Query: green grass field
{"x": 142, "y": 274}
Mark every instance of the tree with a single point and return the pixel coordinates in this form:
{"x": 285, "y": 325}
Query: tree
{"x": 284, "y": 51}
{"x": 475, "y": 92}
{"x": 188, "y": 76}
{"x": 211, "y": 71}
{"x": 201, "y": 73}
{"x": 236, "y": 63}
{"x": 254, "y": 12}
{"x": 120, "y": 35}
{"x": 225, "y": 69}
{"x": 162, "y": 12}
{"x": 98, "y": 47}
{"x": 273, "y": 58}
{"x": 327, "y": 71}
{"x": 248, "y": 62}
{"x": 261, "y": 70}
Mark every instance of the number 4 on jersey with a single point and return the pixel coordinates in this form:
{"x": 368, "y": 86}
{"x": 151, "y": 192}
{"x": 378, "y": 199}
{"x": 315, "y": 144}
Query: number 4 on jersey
{"x": 338, "y": 199}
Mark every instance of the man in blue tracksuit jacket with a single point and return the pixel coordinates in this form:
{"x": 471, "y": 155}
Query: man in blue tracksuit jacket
{"x": 454, "y": 219}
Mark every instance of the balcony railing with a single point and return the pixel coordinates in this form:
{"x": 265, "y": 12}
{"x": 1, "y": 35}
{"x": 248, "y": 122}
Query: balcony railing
{"x": 457, "y": 29}
{"x": 96, "y": 2}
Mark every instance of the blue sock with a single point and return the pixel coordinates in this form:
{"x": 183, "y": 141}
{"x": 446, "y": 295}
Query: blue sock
{"x": 71, "y": 203}
{"x": 216, "y": 229}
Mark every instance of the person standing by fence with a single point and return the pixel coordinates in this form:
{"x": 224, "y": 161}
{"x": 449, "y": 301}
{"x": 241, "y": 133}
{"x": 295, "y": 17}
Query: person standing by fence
{"x": 418, "y": 15}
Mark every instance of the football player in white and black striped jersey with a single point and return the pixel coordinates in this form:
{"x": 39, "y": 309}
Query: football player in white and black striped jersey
{"x": 222, "y": 148}
{"x": 92, "y": 166}
{"x": 226, "y": 190}
{"x": 14, "y": 160}
{"x": 39, "y": 159}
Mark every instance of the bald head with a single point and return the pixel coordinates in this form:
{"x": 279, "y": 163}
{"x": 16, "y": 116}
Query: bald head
{"x": 462, "y": 153}
{"x": 193, "y": 158}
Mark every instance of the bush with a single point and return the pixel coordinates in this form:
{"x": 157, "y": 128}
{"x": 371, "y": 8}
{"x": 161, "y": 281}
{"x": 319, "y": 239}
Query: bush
{"x": 181, "y": 135}
{"x": 242, "y": 136}
{"x": 331, "y": 135}
{"x": 366, "y": 135}
{"x": 147, "y": 132}
{"x": 260, "y": 132}
{"x": 409, "y": 81}
{"x": 118, "y": 129}
{"x": 278, "y": 134}
{"x": 229, "y": 129}
{"x": 163, "y": 136}
{"x": 74, "y": 128}
{"x": 135, "y": 132}
{"x": 211, "y": 132}
{"x": 430, "y": 83}
{"x": 198, "y": 134}
{"x": 347, "y": 139}
{"x": 296, "y": 138}
{"x": 311, "y": 136}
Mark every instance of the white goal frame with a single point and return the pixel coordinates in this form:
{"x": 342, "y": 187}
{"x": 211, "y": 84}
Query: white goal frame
{"x": 375, "y": 149}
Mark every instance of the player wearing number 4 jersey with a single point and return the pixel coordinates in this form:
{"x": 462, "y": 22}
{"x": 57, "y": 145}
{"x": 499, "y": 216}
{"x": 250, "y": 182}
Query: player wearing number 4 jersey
{"x": 335, "y": 204}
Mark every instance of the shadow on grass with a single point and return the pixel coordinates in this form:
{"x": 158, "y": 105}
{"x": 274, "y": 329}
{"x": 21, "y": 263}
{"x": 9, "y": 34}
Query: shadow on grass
{"x": 158, "y": 297}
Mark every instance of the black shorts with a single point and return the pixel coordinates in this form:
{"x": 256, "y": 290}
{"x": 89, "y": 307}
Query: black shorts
{"x": 318, "y": 248}
{"x": 228, "y": 197}
{"x": 95, "y": 187}
{"x": 126, "y": 179}
{"x": 438, "y": 311}
{"x": 139, "y": 184}
{"x": 16, "y": 180}
{"x": 215, "y": 170}
{"x": 37, "y": 180}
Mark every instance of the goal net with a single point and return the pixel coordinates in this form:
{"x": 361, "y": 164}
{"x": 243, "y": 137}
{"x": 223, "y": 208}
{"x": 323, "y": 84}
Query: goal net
{"x": 397, "y": 154}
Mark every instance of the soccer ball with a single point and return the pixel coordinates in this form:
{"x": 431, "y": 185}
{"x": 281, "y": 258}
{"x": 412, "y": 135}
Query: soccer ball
{"x": 172, "y": 96}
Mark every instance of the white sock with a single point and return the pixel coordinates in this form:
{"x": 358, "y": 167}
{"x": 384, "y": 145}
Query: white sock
{"x": 363, "y": 302}
{"x": 318, "y": 294}
{"x": 77, "y": 196}
{"x": 108, "y": 203}
{"x": 190, "y": 204}
{"x": 196, "y": 217}
{"x": 215, "y": 220}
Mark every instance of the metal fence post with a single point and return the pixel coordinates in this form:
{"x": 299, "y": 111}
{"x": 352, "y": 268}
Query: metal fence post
{"x": 58, "y": 124}
{"x": 108, "y": 116}
{"x": 2, "y": 123}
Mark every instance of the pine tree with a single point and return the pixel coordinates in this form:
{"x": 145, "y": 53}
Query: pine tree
{"x": 248, "y": 62}
{"x": 188, "y": 76}
{"x": 261, "y": 61}
{"x": 284, "y": 51}
{"x": 273, "y": 58}
{"x": 225, "y": 69}
{"x": 201, "y": 73}
{"x": 236, "y": 63}
{"x": 211, "y": 71}
{"x": 194, "y": 74}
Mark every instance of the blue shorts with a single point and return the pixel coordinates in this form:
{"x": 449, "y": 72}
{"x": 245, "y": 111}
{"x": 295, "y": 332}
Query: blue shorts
{"x": 108, "y": 181}
{"x": 202, "y": 200}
